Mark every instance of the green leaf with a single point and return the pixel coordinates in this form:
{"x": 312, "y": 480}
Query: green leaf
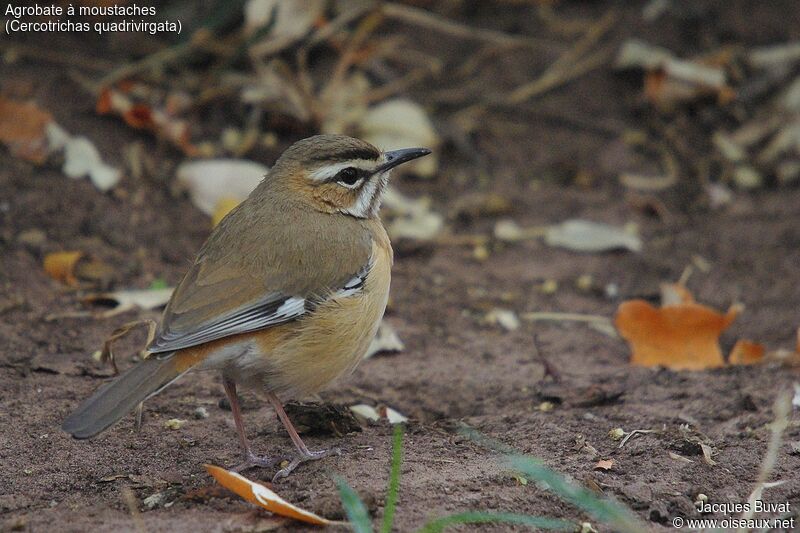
{"x": 354, "y": 507}
{"x": 158, "y": 283}
{"x": 394, "y": 479}
{"x": 478, "y": 517}
{"x": 603, "y": 510}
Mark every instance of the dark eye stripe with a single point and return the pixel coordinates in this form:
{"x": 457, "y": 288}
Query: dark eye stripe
{"x": 360, "y": 174}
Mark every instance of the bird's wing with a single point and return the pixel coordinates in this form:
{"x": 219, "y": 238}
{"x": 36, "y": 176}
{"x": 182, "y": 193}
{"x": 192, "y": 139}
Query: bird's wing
{"x": 252, "y": 275}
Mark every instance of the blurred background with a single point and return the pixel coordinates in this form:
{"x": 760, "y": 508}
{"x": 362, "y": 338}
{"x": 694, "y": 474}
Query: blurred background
{"x": 585, "y": 155}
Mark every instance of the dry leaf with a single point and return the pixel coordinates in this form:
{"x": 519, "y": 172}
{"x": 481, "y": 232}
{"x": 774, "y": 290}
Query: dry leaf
{"x": 670, "y": 80}
{"x": 708, "y": 452}
{"x": 587, "y": 236}
{"x": 505, "y": 318}
{"x": 81, "y": 159}
{"x": 23, "y": 128}
{"x": 367, "y": 412}
{"x": 292, "y": 20}
{"x": 210, "y": 181}
{"x": 674, "y": 456}
{"x": 174, "y": 423}
{"x": 745, "y": 352}
{"x": 683, "y": 336}
{"x": 604, "y": 464}
{"x": 394, "y": 417}
{"x": 262, "y": 496}
{"x": 141, "y": 107}
{"x": 132, "y": 299}
{"x": 61, "y": 266}
{"x": 401, "y": 123}
{"x": 385, "y": 340}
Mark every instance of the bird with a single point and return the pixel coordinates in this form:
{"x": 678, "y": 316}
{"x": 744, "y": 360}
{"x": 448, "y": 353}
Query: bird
{"x": 284, "y": 296}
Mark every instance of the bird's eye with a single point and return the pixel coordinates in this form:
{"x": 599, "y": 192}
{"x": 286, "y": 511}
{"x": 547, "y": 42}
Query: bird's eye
{"x": 348, "y": 176}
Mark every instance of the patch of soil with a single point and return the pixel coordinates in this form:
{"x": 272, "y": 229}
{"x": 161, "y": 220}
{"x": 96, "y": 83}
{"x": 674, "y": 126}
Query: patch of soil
{"x": 455, "y": 369}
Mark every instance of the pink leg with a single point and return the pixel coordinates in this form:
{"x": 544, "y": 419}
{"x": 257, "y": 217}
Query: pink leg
{"x": 303, "y": 453}
{"x": 250, "y": 459}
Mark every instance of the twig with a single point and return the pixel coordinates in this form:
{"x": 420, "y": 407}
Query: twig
{"x": 636, "y": 432}
{"x": 133, "y": 507}
{"x": 782, "y": 409}
{"x": 549, "y": 369}
{"x": 365, "y": 28}
{"x": 432, "y": 21}
{"x": 396, "y": 86}
{"x": 552, "y": 79}
{"x": 567, "y": 67}
{"x": 54, "y": 56}
{"x": 156, "y": 59}
{"x": 107, "y": 354}
{"x": 328, "y": 30}
{"x": 565, "y": 317}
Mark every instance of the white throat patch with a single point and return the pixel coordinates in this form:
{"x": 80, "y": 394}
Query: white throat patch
{"x": 368, "y": 202}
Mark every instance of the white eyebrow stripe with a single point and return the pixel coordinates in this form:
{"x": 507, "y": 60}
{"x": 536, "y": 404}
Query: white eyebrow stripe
{"x": 329, "y": 171}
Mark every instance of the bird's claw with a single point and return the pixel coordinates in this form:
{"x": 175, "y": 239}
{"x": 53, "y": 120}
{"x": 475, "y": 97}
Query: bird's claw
{"x": 252, "y": 461}
{"x": 301, "y": 458}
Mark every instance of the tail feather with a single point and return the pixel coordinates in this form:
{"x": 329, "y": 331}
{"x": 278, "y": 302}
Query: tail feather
{"x": 116, "y": 399}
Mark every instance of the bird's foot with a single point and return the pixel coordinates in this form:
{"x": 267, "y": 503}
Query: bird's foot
{"x": 301, "y": 458}
{"x": 258, "y": 461}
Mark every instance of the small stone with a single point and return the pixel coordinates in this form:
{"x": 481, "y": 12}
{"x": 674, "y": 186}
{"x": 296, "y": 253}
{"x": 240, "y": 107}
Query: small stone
{"x": 549, "y": 286}
{"x": 154, "y": 500}
{"x": 747, "y": 178}
{"x": 200, "y": 413}
{"x": 584, "y": 283}
{"x": 508, "y": 231}
{"x": 480, "y": 252}
{"x": 32, "y": 237}
{"x": 505, "y": 318}
{"x": 174, "y": 423}
{"x": 616, "y": 434}
{"x": 546, "y": 407}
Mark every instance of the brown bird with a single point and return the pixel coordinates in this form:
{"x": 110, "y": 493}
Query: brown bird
{"x": 285, "y": 295}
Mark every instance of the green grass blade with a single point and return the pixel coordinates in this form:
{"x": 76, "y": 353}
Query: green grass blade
{"x": 394, "y": 479}
{"x": 478, "y": 517}
{"x": 603, "y": 510}
{"x": 354, "y": 507}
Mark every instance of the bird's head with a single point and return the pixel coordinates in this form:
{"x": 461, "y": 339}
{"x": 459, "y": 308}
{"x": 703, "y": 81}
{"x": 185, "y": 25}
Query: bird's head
{"x": 339, "y": 174}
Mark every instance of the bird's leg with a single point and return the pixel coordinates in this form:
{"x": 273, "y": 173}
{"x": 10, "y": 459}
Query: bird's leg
{"x": 303, "y": 453}
{"x": 250, "y": 459}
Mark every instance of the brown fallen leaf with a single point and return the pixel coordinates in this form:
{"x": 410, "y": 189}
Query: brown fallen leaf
{"x": 23, "y": 129}
{"x": 681, "y": 336}
{"x": 746, "y": 352}
{"x": 604, "y": 464}
{"x": 61, "y": 266}
{"x": 262, "y": 496}
{"x": 141, "y": 107}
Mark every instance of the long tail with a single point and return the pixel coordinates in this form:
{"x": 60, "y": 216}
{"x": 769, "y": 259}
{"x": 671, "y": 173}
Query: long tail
{"x": 116, "y": 399}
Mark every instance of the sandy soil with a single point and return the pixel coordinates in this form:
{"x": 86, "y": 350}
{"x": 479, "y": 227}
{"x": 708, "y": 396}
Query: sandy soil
{"x": 456, "y": 370}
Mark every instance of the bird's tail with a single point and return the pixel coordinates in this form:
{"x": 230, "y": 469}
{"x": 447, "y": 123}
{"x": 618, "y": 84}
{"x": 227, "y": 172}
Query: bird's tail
{"x": 116, "y": 399}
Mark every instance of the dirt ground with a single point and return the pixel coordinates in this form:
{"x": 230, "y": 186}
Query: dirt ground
{"x": 455, "y": 370}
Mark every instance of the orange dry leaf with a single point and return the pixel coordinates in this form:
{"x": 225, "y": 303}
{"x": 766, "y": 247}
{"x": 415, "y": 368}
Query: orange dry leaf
{"x": 682, "y": 336}
{"x": 260, "y": 495}
{"x": 61, "y": 266}
{"x": 142, "y": 108}
{"x": 604, "y": 464}
{"x": 746, "y": 352}
{"x": 23, "y": 128}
